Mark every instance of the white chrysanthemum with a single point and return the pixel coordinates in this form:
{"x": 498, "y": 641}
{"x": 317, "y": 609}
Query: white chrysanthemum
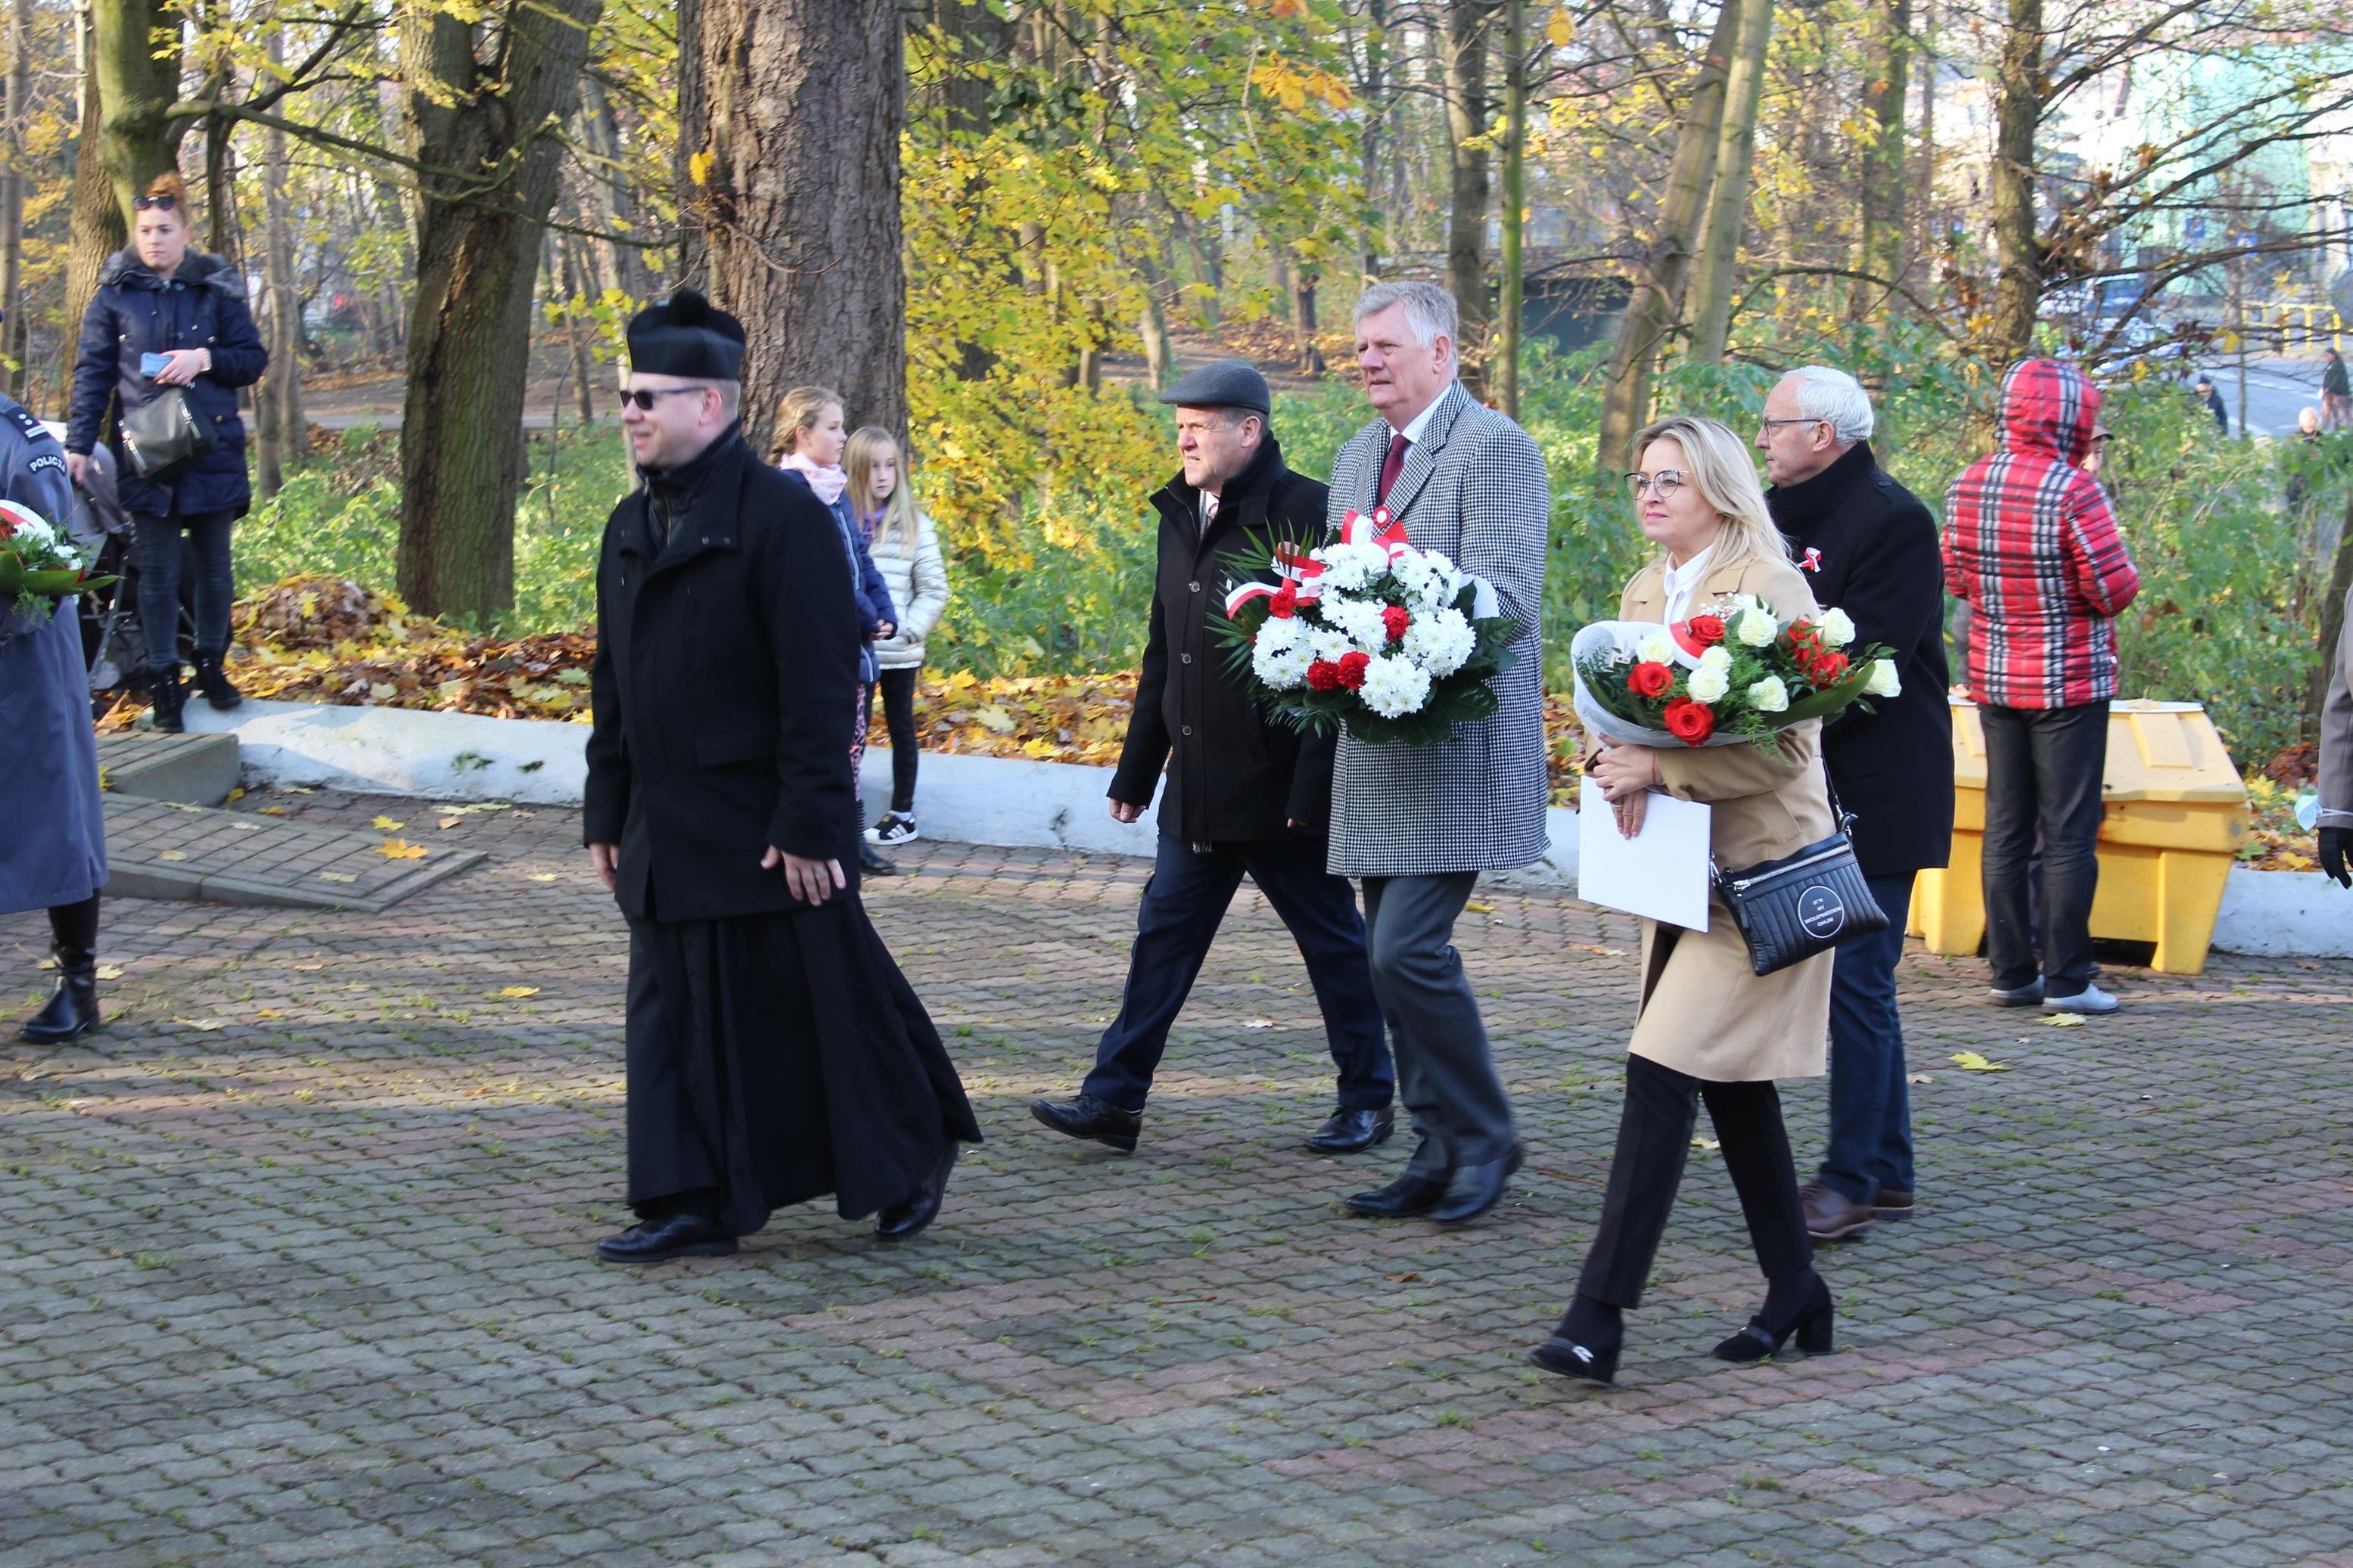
{"x": 1279, "y": 633}
{"x": 1432, "y": 580}
{"x": 1395, "y": 686}
{"x": 1757, "y": 628}
{"x": 1838, "y": 629}
{"x": 35, "y": 534}
{"x": 1708, "y": 685}
{"x": 1883, "y": 681}
{"x": 1718, "y": 658}
{"x": 1656, "y": 648}
{"x": 1361, "y": 620}
{"x": 1440, "y": 641}
{"x": 1285, "y": 669}
{"x": 1330, "y": 644}
{"x": 1347, "y": 566}
{"x": 1767, "y": 696}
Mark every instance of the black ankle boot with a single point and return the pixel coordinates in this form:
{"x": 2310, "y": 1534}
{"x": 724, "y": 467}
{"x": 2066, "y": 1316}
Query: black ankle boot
{"x": 1798, "y": 1304}
{"x": 163, "y": 690}
{"x": 1587, "y": 1343}
{"x": 213, "y": 682}
{"x": 73, "y": 1008}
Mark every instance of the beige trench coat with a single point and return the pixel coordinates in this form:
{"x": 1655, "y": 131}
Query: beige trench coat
{"x": 1703, "y": 1011}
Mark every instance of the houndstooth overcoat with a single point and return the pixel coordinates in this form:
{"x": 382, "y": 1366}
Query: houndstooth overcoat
{"x": 1473, "y": 489}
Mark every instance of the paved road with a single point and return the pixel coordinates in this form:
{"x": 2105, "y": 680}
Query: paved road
{"x": 2276, "y": 391}
{"x": 297, "y": 1270}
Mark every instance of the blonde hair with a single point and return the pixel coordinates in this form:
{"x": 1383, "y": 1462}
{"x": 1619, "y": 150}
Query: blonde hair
{"x": 1717, "y": 461}
{"x": 801, "y": 408}
{"x": 898, "y": 518}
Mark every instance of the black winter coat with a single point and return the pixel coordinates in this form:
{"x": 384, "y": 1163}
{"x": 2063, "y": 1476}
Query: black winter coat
{"x": 724, "y": 687}
{"x": 1233, "y": 775}
{"x": 1869, "y": 547}
{"x": 135, "y": 312}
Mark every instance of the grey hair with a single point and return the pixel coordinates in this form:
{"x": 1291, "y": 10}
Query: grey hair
{"x": 1835, "y": 396}
{"x": 731, "y": 398}
{"x": 1429, "y": 310}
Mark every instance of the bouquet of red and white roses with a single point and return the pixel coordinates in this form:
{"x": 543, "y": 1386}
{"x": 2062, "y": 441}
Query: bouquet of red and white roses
{"x": 1369, "y": 633}
{"x": 38, "y": 565}
{"x": 1735, "y": 673}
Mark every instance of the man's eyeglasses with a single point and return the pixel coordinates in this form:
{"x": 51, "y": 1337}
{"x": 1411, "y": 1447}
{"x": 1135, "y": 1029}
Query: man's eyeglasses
{"x": 155, "y": 203}
{"x": 643, "y": 397}
{"x": 1666, "y": 482}
{"x": 1768, "y": 424}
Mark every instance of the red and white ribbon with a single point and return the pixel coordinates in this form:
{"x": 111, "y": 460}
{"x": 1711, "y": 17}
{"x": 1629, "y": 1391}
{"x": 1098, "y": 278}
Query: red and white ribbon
{"x": 1300, "y": 571}
{"x": 1379, "y": 530}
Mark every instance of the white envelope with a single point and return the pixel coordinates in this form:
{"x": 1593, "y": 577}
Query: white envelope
{"x": 1661, "y": 873}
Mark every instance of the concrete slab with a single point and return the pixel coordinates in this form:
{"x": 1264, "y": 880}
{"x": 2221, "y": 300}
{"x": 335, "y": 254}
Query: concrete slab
{"x": 193, "y": 770}
{"x": 162, "y": 849}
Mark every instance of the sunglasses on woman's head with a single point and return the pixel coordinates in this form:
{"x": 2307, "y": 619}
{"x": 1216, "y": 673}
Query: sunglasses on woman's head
{"x": 158, "y": 203}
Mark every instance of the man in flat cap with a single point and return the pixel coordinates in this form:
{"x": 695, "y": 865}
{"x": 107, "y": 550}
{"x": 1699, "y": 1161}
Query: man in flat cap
{"x": 776, "y": 1054}
{"x": 1243, "y": 795}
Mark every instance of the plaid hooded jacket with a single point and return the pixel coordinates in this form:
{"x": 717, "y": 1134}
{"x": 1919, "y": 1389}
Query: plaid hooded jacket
{"x": 2030, "y": 544}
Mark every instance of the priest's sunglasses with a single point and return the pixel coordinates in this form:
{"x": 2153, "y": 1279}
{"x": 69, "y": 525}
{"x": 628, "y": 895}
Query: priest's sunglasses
{"x": 1666, "y": 482}
{"x": 643, "y": 397}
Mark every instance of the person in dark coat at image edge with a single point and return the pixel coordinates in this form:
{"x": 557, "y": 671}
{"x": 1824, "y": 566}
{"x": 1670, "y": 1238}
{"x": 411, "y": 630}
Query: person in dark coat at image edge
{"x": 1245, "y": 794}
{"x": 776, "y": 1054}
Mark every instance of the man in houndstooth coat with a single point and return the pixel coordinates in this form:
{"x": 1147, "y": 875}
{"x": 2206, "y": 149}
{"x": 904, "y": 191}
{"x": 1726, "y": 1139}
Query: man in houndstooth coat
{"x": 1419, "y": 824}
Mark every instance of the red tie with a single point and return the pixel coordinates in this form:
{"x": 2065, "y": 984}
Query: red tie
{"x": 1391, "y": 465}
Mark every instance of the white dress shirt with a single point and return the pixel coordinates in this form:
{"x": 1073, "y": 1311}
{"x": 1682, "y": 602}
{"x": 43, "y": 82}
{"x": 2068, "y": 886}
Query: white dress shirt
{"x": 1683, "y": 582}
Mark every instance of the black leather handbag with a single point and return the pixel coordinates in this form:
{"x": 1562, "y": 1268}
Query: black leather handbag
{"x": 1808, "y": 902}
{"x": 165, "y": 435}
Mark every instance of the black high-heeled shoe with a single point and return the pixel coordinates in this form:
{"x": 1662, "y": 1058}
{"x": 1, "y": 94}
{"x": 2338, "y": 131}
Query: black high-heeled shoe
{"x": 1585, "y": 1346}
{"x": 1807, "y": 1314}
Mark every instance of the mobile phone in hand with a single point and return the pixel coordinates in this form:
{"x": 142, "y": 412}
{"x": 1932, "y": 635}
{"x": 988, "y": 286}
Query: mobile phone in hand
{"x": 151, "y": 365}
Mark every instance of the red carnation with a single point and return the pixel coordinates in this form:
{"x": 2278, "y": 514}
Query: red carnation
{"x": 1690, "y": 722}
{"x": 1706, "y": 630}
{"x": 1323, "y": 676}
{"x": 1396, "y": 619}
{"x": 1827, "y": 668}
{"x": 1352, "y": 669}
{"x": 1649, "y": 678}
{"x": 1285, "y": 603}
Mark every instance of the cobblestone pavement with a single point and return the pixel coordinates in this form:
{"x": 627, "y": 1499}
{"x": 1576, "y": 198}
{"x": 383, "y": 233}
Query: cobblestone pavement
{"x": 297, "y": 1269}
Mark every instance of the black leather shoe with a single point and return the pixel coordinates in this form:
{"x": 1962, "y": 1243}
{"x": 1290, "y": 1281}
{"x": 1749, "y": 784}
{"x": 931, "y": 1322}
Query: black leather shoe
{"x": 904, "y": 1222}
{"x": 1354, "y": 1131}
{"x": 874, "y": 863}
{"x": 1087, "y": 1117}
{"x": 1409, "y": 1194}
{"x": 72, "y": 1008}
{"x": 682, "y": 1235}
{"x": 1476, "y": 1189}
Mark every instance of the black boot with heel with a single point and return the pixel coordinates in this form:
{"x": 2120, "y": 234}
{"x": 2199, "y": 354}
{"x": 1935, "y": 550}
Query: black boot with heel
{"x": 1798, "y": 1304}
{"x": 72, "y": 1008}
{"x": 1587, "y": 1343}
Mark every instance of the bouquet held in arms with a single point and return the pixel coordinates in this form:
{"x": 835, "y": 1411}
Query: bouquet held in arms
{"x": 1368, "y": 633}
{"x": 38, "y": 565}
{"x": 1735, "y": 673}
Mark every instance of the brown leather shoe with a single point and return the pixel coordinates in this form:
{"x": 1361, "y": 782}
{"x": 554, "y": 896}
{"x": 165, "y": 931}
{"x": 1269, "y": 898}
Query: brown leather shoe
{"x": 1890, "y": 1204}
{"x": 1831, "y": 1215}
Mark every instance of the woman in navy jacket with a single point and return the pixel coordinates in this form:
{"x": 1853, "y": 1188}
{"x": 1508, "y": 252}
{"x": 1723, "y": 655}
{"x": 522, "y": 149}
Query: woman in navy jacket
{"x": 183, "y": 318}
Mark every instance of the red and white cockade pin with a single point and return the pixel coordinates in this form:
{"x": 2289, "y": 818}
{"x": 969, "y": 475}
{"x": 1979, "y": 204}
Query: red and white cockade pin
{"x": 1813, "y": 561}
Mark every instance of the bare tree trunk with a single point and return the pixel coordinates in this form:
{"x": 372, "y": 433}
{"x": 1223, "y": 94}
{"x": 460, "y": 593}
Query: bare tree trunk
{"x": 584, "y": 365}
{"x": 2018, "y": 110}
{"x": 1658, "y": 285}
{"x": 1880, "y": 247}
{"x": 1505, "y": 371}
{"x": 790, "y": 113}
{"x": 12, "y": 192}
{"x": 1373, "y": 94}
{"x": 1467, "y": 113}
{"x": 1716, "y": 272}
{"x": 125, "y": 141}
{"x": 95, "y": 227}
{"x": 461, "y": 450}
{"x": 601, "y": 130}
{"x": 279, "y": 401}
{"x": 1153, "y": 264}
{"x": 1303, "y": 283}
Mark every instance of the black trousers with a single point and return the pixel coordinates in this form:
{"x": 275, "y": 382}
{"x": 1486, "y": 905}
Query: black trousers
{"x": 897, "y": 688}
{"x": 2043, "y": 771}
{"x": 1655, "y": 1134}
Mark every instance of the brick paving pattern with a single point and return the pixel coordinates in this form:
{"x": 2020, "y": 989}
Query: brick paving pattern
{"x": 164, "y": 849}
{"x": 297, "y": 1270}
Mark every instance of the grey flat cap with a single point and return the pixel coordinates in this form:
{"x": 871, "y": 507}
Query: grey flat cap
{"x": 1229, "y": 384}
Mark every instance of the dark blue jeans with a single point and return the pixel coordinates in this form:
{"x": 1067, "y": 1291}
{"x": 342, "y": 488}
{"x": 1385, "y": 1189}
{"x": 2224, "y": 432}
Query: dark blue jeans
{"x": 1871, "y": 1109}
{"x": 161, "y": 548}
{"x": 1184, "y": 903}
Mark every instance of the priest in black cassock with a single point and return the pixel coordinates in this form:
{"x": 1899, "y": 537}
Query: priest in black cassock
{"x": 776, "y": 1053}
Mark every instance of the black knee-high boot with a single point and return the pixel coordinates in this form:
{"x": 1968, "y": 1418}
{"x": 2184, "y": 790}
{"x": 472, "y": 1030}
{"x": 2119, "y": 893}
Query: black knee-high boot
{"x": 72, "y": 1008}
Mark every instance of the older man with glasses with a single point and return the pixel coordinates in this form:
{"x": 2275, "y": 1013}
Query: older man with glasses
{"x": 1869, "y": 549}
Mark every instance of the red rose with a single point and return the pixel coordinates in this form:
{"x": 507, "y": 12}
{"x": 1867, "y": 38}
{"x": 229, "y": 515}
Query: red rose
{"x": 1352, "y": 669}
{"x": 1396, "y": 619}
{"x": 1706, "y": 630}
{"x": 1650, "y": 680}
{"x": 1323, "y": 676}
{"x": 1827, "y": 668}
{"x": 1285, "y": 603}
{"x": 1690, "y": 722}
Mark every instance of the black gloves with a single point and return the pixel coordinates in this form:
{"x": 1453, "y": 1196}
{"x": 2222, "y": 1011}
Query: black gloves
{"x": 2336, "y": 849}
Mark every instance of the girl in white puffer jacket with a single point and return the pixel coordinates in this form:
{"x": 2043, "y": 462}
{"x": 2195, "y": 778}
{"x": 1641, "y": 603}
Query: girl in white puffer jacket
{"x": 906, "y": 550}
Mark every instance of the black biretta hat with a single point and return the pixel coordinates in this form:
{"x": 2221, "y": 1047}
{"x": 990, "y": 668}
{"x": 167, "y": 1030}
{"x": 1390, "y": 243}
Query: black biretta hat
{"x": 683, "y": 336}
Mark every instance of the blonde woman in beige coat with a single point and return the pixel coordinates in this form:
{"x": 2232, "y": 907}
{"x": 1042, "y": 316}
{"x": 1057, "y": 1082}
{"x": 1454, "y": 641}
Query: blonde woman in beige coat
{"x": 1709, "y": 1028}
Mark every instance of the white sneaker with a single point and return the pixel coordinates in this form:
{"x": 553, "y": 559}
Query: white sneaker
{"x": 892, "y": 829}
{"x": 2090, "y": 999}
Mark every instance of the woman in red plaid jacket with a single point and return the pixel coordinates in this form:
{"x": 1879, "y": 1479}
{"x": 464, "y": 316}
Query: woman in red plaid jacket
{"x": 2030, "y": 544}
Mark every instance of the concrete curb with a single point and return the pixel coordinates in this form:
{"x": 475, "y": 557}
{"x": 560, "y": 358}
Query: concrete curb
{"x": 969, "y": 800}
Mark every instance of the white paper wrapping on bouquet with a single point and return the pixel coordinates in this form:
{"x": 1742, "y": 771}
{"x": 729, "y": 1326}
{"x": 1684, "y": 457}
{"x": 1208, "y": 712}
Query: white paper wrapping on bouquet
{"x": 1619, "y": 639}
